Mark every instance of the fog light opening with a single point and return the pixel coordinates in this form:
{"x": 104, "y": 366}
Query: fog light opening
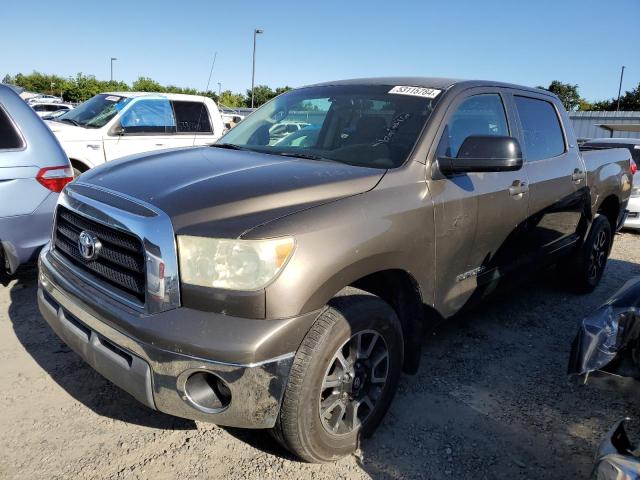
{"x": 207, "y": 391}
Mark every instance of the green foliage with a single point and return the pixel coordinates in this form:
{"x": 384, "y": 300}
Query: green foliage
{"x": 567, "y": 93}
{"x": 82, "y": 87}
{"x": 630, "y": 101}
{"x": 230, "y": 99}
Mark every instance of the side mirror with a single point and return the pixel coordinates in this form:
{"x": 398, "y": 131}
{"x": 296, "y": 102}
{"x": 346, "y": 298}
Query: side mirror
{"x": 484, "y": 153}
{"x": 117, "y": 130}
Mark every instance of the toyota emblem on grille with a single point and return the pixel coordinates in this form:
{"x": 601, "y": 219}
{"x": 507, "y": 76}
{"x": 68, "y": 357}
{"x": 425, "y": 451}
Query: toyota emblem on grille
{"x": 89, "y": 245}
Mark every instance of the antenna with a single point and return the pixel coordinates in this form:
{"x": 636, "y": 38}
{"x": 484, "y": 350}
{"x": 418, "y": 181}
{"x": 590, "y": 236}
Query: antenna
{"x": 195, "y": 134}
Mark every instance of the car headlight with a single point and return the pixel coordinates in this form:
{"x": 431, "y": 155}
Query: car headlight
{"x": 232, "y": 264}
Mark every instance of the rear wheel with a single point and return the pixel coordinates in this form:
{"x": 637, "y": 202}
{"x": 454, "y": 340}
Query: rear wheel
{"x": 343, "y": 378}
{"x": 588, "y": 263}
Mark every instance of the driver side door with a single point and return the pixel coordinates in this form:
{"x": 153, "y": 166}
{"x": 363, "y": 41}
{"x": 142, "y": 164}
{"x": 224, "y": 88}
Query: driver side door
{"x": 146, "y": 125}
{"x": 478, "y": 215}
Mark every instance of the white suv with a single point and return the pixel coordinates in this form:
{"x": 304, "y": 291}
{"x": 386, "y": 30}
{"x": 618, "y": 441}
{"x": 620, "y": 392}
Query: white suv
{"x": 114, "y": 125}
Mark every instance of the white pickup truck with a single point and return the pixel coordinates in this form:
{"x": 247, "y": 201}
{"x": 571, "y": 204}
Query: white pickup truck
{"x": 117, "y": 124}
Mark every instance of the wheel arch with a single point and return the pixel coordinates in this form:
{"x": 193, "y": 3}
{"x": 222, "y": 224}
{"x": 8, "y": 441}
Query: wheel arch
{"x": 610, "y": 208}
{"x": 400, "y": 289}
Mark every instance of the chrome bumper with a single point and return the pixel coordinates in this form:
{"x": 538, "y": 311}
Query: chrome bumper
{"x": 155, "y": 376}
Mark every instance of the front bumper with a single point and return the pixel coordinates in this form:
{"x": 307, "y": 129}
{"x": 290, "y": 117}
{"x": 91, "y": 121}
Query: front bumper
{"x": 156, "y": 375}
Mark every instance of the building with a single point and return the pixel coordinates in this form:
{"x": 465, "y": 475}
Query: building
{"x": 594, "y": 124}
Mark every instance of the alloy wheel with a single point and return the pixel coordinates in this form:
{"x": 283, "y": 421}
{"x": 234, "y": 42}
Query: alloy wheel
{"x": 354, "y": 382}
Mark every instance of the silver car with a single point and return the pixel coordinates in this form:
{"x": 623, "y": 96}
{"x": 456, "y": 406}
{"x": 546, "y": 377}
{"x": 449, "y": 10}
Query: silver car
{"x": 33, "y": 170}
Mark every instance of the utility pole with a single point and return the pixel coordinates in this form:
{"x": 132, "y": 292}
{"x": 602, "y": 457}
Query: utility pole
{"x": 620, "y": 89}
{"x": 219, "y": 89}
{"x": 113, "y": 59}
{"x": 256, "y": 32}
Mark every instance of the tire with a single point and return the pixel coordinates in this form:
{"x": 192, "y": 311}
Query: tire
{"x": 317, "y": 378}
{"x": 588, "y": 263}
{"x": 76, "y": 173}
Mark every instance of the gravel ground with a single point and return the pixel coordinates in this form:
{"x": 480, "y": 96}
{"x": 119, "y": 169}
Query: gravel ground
{"x": 491, "y": 400}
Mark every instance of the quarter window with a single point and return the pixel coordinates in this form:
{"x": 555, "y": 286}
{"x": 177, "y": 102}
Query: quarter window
{"x": 9, "y": 136}
{"x": 541, "y": 129}
{"x": 191, "y": 117}
{"x": 477, "y": 115}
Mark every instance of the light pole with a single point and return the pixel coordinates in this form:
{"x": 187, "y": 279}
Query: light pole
{"x": 113, "y": 59}
{"x": 219, "y": 89}
{"x": 253, "y": 72}
{"x": 620, "y": 89}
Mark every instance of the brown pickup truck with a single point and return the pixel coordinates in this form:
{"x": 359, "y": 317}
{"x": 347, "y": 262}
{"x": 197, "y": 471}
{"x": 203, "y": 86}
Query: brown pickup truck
{"x": 283, "y": 282}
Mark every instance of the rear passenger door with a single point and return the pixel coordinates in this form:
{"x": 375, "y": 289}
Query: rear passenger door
{"x": 557, "y": 179}
{"x": 193, "y": 124}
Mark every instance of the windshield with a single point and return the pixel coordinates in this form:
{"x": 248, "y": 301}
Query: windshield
{"x": 365, "y": 125}
{"x": 95, "y": 112}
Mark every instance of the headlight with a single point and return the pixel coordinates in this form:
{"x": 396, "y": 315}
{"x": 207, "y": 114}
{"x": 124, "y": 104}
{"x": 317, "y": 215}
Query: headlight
{"x": 232, "y": 264}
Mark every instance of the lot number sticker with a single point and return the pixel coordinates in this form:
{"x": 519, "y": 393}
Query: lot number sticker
{"x": 415, "y": 91}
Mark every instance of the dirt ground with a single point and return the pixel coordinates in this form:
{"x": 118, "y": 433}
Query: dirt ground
{"x": 491, "y": 400}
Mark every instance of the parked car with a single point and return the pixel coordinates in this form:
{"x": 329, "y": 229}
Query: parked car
{"x": 41, "y": 98}
{"x": 286, "y": 287}
{"x": 282, "y": 129}
{"x": 117, "y": 124}
{"x": 44, "y": 109}
{"x": 33, "y": 170}
{"x": 633, "y": 145}
{"x": 54, "y": 115}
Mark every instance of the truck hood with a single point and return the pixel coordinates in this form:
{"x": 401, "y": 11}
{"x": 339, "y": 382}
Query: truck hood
{"x": 214, "y": 192}
{"x": 65, "y": 132}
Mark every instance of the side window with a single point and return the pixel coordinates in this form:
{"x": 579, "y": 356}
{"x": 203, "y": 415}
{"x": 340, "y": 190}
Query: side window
{"x": 477, "y": 115}
{"x": 192, "y": 117}
{"x": 9, "y": 136}
{"x": 149, "y": 116}
{"x": 541, "y": 129}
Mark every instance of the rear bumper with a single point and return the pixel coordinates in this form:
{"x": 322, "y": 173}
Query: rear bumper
{"x": 22, "y": 236}
{"x": 158, "y": 376}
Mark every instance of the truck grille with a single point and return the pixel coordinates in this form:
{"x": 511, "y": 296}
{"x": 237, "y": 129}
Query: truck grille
{"x": 120, "y": 261}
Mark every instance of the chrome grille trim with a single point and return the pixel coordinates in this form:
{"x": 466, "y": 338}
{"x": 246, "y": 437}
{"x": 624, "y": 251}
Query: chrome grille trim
{"x": 155, "y": 233}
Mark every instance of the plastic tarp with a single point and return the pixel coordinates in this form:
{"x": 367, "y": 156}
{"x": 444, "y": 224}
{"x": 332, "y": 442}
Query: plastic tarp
{"x": 609, "y": 338}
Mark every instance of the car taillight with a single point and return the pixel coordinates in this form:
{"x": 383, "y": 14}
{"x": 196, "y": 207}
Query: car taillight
{"x": 55, "y": 178}
{"x": 633, "y": 167}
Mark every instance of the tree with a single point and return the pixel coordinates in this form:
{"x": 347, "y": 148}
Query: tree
{"x": 262, "y": 94}
{"x": 7, "y": 79}
{"x": 630, "y": 101}
{"x": 146, "y": 84}
{"x": 230, "y": 99}
{"x": 567, "y": 93}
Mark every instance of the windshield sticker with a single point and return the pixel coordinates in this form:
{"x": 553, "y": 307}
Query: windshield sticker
{"x": 113, "y": 98}
{"x": 415, "y": 91}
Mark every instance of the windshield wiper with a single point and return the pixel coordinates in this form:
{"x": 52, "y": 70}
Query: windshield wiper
{"x": 71, "y": 121}
{"x": 230, "y": 146}
{"x": 307, "y": 156}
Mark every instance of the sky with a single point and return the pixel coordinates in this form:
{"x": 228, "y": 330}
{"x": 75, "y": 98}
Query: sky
{"x": 582, "y": 42}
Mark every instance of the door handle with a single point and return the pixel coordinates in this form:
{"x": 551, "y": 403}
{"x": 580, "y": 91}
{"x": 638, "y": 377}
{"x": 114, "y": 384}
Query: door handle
{"x": 578, "y": 175}
{"x": 518, "y": 188}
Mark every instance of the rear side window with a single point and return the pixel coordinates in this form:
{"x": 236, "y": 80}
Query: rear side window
{"x": 540, "y": 127}
{"x": 191, "y": 117}
{"x": 9, "y": 136}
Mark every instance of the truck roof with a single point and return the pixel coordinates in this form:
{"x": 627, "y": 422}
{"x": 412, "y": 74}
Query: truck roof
{"x": 429, "y": 82}
{"x": 170, "y": 96}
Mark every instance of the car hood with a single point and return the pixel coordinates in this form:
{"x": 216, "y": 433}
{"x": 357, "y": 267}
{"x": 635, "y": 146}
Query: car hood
{"x": 65, "y": 132}
{"x": 210, "y": 191}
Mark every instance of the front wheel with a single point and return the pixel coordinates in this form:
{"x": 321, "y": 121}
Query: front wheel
{"x": 343, "y": 378}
